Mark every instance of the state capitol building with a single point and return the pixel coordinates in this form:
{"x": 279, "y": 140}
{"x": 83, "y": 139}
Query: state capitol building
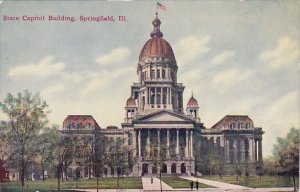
{"x": 160, "y": 134}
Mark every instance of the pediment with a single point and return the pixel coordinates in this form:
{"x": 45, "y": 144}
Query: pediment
{"x": 164, "y": 116}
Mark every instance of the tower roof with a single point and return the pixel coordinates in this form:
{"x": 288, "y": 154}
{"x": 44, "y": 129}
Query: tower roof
{"x": 157, "y": 46}
{"x": 130, "y": 102}
{"x": 192, "y": 102}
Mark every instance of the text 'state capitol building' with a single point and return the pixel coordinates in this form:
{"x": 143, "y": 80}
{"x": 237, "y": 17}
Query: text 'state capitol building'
{"x": 162, "y": 135}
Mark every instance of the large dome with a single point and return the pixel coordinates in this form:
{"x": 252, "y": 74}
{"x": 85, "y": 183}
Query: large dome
{"x": 157, "y": 46}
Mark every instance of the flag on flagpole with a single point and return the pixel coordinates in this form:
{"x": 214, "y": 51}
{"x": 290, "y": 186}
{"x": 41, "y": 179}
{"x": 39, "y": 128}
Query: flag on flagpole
{"x": 161, "y": 6}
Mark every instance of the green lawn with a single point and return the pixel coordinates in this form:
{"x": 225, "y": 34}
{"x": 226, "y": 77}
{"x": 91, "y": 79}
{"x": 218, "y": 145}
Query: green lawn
{"x": 176, "y": 182}
{"x": 104, "y": 183}
{"x": 256, "y": 182}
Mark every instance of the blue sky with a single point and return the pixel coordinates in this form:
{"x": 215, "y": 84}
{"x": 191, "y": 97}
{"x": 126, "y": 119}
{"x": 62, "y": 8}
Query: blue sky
{"x": 237, "y": 57}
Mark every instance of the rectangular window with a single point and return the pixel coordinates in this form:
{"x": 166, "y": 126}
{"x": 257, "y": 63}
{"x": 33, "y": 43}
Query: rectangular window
{"x": 158, "y": 94}
{"x": 158, "y": 73}
{"x": 152, "y": 74}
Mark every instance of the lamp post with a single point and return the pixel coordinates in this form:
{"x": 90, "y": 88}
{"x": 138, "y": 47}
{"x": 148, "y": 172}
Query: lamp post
{"x": 160, "y": 179}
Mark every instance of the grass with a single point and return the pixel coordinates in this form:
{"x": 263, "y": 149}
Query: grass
{"x": 104, "y": 183}
{"x": 256, "y": 182}
{"x": 176, "y": 182}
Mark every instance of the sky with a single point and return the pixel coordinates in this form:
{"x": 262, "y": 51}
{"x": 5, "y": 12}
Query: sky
{"x": 238, "y": 57}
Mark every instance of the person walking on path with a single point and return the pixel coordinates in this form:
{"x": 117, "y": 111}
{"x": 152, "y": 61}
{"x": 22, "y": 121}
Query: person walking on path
{"x": 197, "y": 185}
{"x": 192, "y": 185}
{"x": 151, "y": 180}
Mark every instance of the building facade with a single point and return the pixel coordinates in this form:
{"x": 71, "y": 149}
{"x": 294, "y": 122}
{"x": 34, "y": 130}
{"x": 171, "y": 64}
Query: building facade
{"x": 161, "y": 135}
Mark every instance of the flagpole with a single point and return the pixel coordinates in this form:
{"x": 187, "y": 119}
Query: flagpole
{"x": 156, "y": 12}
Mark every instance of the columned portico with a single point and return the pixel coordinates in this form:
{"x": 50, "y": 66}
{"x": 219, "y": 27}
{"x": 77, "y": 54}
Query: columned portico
{"x": 151, "y": 141}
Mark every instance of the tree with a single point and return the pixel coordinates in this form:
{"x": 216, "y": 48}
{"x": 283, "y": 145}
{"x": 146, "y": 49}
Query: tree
{"x": 6, "y": 150}
{"x": 45, "y": 147}
{"x": 100, "y": 157}
{"x": 286, "y": 151}
{"x": 27, "y": 115}
{"x": 119, "y": 156}
{"x": 158, "y": 155}
{"x": 62, "y": 150}
{"x": 213, "y": 162}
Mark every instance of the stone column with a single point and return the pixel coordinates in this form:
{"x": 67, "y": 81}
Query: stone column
{"x": 149, "y": 96}
{"x": 235, "y": 150}
{"x": 242, "y": 150}
{"x": 260, "y": 150}
{"x": 161, "y": 96}
{"x": 171, "y": 96}
{"x": 186, "y": 143}
{"x": 148, "y": 143}
{"x": 139, "y": 142}
{"x": 255, "y": 150}
{"x": 192, "y": 152}
{"x": 168, "y": 97}
{"x": 227, "y": 150}
{"x": 155, "y": 95}
{"x": 250, "y": 149}
{"x": 168, "y": 142}
{"x": 177, "y": 141}
{"x": 158, "y": 141}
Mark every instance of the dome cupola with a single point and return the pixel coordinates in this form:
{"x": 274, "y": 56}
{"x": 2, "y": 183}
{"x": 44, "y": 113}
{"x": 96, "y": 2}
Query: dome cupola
{"x": 192, "y": 109}
{"x": 157, "y": 71}
{"x": 130, "y": 102}
{"x": 192, "y": 102}
{"x": 157, "y": 46}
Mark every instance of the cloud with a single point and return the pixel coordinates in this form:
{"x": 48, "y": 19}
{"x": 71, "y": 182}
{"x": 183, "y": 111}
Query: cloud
{"x": 222, "y": 57}
{"x": 52, "y": 91}
{"x": 103, "y": 79}
{"x": 189, "y": 48}
{"x": 285, "y": 54}
{"x": 228, "y": 78}
{"x": 115, "y": 56}
{"x": 278, "y": 117}
{"x": 45, "y": 68}
{"x": 285, "y": 108}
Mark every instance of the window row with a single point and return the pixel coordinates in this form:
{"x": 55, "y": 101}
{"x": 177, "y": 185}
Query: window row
{"x": 240, "y": 126}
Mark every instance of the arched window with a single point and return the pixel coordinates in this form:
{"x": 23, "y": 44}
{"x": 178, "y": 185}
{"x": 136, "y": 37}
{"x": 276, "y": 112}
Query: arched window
{"x": 164, "y": 168}
{"x": 173, "y": 168}
{"x": 163, "y": 74}
{"x": 158, "y": 73}
{"x": 183, "y": 169}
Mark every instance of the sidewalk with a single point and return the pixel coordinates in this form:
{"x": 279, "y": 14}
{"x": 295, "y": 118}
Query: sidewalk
{"x": 110, "y": 190}
{"x": 155, "y": 186}
{"x": 216, "y": 184}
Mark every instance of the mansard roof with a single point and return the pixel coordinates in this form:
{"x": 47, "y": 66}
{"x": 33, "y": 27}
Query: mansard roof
{"x": 231, "y": 118}
{"x": 81, "y": 120}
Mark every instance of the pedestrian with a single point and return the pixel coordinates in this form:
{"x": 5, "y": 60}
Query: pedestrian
{"x": 192, "y": 185}
{"x": 197, "y": 185}
{"x": 151, "y": 180}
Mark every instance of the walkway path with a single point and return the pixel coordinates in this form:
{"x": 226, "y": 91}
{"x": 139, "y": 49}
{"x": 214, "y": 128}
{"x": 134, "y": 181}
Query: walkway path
{"x": 110, "y": 190}
{"x": 148, "y": 186}
{"x": 215, "y": 183}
